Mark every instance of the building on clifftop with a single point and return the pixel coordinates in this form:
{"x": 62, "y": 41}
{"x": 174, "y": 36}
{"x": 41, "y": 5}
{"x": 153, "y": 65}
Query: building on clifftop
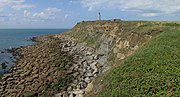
{"x": 99, "y": 16}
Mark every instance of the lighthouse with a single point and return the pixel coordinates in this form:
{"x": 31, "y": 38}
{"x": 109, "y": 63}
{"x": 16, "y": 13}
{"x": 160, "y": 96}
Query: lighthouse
{"x": 99, "y": 16}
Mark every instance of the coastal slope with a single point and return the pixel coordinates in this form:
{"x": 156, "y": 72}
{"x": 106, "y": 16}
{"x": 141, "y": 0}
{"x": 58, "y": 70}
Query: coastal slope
{"x": 99, "y": 58}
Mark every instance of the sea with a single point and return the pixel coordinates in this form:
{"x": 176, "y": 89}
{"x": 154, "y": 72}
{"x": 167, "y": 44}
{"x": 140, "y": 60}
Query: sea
{"x": 14, "y": 38}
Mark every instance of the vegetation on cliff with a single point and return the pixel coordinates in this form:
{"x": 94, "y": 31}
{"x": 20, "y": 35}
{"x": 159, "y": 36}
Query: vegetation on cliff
{"x": 153, "y": 70}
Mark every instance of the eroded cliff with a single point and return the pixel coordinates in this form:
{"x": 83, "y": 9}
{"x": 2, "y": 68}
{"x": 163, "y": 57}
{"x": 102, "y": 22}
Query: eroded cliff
{"x": 67, "y": 64}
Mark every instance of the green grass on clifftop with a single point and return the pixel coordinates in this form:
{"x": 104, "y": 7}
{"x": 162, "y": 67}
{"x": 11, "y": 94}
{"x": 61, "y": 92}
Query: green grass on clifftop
{"x": 153, "y": 70}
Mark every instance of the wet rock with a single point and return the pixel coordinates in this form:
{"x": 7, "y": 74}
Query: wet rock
{"x": 3, "y": 65}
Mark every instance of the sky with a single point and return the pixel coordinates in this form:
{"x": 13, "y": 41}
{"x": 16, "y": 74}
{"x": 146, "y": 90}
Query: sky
{"x": 66, "y": 13}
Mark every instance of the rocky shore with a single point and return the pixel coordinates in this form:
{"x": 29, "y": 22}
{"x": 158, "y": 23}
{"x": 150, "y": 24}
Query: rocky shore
{"x": 57, "y": 66}
{"x": 66, "y": 65}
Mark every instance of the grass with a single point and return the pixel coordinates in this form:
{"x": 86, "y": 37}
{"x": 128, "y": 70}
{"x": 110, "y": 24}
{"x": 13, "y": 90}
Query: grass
{"x": 153, "y": 70}
{"x": 89, "y": 38}
{"x": 171, "y": 24}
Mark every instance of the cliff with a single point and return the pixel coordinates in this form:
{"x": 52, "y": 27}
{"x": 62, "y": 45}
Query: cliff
{"x": 97, "y": 58}
{"x": 115, "y": 39}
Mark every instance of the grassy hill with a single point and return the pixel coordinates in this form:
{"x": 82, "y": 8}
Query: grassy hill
{"x": 152, "y": 70}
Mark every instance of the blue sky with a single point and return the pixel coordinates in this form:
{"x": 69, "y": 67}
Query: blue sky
{"x": 66, "y": 13}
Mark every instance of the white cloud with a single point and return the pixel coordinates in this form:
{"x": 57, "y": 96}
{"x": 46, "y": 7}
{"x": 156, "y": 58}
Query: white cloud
{"x": 18, "y": 1}
{"x": 4, "y": 3}
{"x": 66, "y": 16}
{"x": 52, "y": 10}
{"x": 143, "y": 7}
{"x": 149, "y": 14}
{"x": 26, "y": 13}
{"x": 15, "y": 4}
{"x": 39, "y": 15}
{"x": 4, "y": 17}
{"x": 46, "y": 14}
{"x": 22, "y": 6}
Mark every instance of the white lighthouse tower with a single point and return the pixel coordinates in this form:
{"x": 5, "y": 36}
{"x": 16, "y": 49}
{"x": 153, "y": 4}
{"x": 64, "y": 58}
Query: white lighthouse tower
{"x": 99, "y": 16}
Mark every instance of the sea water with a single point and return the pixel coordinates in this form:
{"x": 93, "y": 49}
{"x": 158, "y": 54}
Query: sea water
{"x": 13, "y": 38}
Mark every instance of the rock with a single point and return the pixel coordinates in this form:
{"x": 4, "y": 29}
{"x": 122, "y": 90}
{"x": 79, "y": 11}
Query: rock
{"x": 84, "y": 63}
{"x": 76, "y": 66}
{"x": 69, "y": 88}
{"x": 25, "y": 74}
{"x": 69, "y": 71}
{"x": 99, "y": 65}
{"x": 22, "y": 81}
{"x": 95, "y": 57}
{"x": 3, "y": 65}
{"x": 89, "y": 88}
{"x": 6, "y": 76}
{"x": 12, "y": 90}
{"x": 35, "y": 72}
{"x": 10, "y": 79}
{"x": 1, "y": 90}
{"x": 19, "y": 71}
{"x": 71, "y": 68}
{"x": 71, "y": 95}
{"x": 75, "y": 74}
{"x": 88, "y": 53}
{"x": 4, "y": 83}
{"x": 89, "y": 75}
{"x": 87, "y": 80}
{"x": 79, "y": 95}
{"x": 95, "y": 71}
{"x": 78, "y": 86}
{"x": 58, "y": 95}
{"x": 93, "y": 65}
{"x": 115, "y": 50}
{"x": 35, "y": 76}
{"x": 77, "y": 92}
{"x": 120, "y": 56}
{"x": 29, "y": 79}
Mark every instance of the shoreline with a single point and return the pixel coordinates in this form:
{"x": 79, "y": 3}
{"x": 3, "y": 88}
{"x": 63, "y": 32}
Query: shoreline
{"x": 55, "y": 59}
{"x": 13, "y": 57}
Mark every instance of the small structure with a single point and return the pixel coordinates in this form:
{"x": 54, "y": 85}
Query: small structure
{"x": 99, "y": 16}
{"x": 115, "y": 20}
